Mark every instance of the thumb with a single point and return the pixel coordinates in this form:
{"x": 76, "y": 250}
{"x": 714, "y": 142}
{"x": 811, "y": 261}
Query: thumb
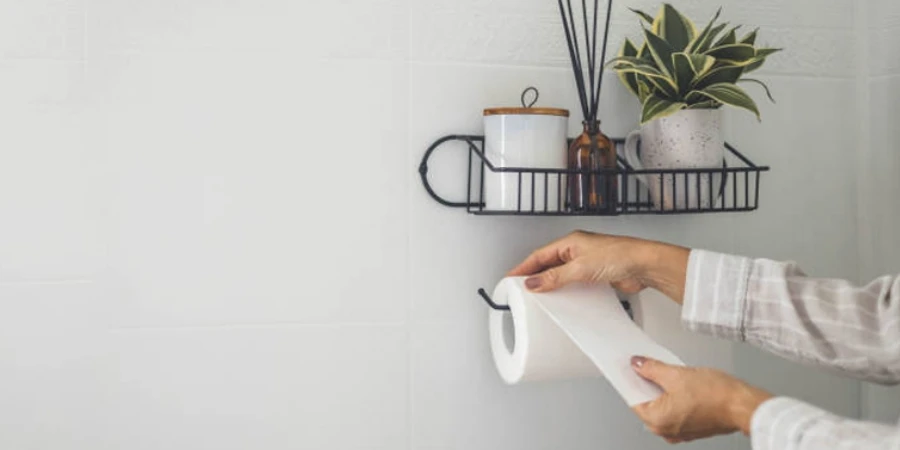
{"x": 554, "y": 278}
{"x": 656, "y": 371}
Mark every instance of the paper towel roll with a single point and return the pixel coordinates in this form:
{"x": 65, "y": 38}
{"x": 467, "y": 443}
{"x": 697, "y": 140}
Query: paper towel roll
{"x": 576, "y": 332}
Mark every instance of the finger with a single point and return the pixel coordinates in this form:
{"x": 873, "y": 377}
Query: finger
{"x": 658, "y": 372}
{"x": 555, "y": 278}
{"x": 552, "y": 255}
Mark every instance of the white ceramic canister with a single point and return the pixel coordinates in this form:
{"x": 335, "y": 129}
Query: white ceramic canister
{"x": 525, "y": 138}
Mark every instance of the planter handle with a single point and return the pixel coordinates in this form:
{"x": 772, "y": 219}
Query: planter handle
{"x": 632, "y": 145}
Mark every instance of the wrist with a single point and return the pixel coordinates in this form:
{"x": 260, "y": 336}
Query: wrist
{"x": 743, "y": 404}
{"x": 663, "y": 267}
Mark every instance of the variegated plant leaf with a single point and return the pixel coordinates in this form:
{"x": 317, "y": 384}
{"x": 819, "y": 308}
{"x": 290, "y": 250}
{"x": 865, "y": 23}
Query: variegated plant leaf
{"x": 676, "y": 29}
{"x": 729, "y": 38}
{"x": 734, "y": 54}
{"x": 703, "y": 35}
{"x": 761, "y": 55}
{"x": 644, "y": 16}
{"x": 750, "y": 38}
{"x": 655, "y": 108}
{"x": 660, "y": 50}
{"x": 701, "y": 64}
{"x": 683, "y": 71}
{"x": 629, "y": 50}
{"x": 726, "y": 74}
{"x": 755, "y": 81}
{"x": 730, "y": 94}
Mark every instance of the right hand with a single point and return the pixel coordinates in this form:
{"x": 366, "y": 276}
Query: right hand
{"x": 697, "y": 402}
{"x": 628, "y": 264}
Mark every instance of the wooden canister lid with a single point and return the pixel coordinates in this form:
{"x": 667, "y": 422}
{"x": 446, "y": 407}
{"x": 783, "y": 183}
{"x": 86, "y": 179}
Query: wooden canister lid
{"x": 526, "y": 111}
{"x": 527, "y": 108}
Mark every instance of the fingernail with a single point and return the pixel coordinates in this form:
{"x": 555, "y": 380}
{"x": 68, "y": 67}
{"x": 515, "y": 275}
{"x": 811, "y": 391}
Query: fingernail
{"x": 533, "y": 283}
{"x": 638, "y": 361}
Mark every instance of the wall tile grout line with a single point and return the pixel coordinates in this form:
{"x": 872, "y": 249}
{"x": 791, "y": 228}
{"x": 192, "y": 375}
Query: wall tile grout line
{"x": 410, "y": 358}
{"x": 563, "y": 69}
{"x": 884, "y": 76}
{"x": 860, "y": 25}
{"x": 253, "y": 326}
{"x": 45, "y": 283}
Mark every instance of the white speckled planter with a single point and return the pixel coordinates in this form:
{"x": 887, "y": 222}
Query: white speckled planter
{"x": 688, "y": 139}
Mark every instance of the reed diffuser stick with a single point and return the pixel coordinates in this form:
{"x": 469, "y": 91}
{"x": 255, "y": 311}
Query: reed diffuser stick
{"x": 593, "y": 108}
{"x": 572, "y": 43}
{"x": 592, "y": 182}
{"x": 588, "y": 89}
{"x": 590, "y": 53}
{"x": 602, "y": 55}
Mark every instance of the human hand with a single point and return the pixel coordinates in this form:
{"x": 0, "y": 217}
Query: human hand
{"x": 628, "y": 264}
{"x": 697, "y": 403}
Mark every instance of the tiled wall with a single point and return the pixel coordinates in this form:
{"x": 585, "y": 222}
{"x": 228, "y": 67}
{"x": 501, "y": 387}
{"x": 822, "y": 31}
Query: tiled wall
{"x": 213, "y": 234}
{"x": 879, "y": 166}
{"x": 880, "y": 161}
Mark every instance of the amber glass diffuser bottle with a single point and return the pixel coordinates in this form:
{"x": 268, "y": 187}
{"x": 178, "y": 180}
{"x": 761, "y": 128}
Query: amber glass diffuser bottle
{"x": 592, "y": 185}
{"x": 592, "y": 162}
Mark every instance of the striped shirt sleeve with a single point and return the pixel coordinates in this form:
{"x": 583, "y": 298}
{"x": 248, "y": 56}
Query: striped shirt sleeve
{"x": 854, "y": 330}
{"x": 787, "y": 424}
{"x": 830, "y": 323}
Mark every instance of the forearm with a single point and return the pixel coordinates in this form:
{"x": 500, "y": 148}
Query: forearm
{"x": 664, "y": 268}
{"x": 773, "y": 305}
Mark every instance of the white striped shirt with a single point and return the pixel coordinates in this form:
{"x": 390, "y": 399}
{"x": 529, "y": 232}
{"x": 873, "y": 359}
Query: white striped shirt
{"x": 854, "y": 330}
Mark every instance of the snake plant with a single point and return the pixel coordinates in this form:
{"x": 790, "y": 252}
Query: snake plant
{"x": 678, "y": 67}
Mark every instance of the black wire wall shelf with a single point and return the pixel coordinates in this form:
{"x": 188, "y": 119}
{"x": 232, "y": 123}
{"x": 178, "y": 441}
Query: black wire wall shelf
{"x": 734, "y": 187}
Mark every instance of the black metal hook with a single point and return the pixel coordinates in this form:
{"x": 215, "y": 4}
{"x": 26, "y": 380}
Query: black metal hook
{"x": 491, "y": 303}
{"x": 626, "y": 305}
{"x": 423, "y": 169}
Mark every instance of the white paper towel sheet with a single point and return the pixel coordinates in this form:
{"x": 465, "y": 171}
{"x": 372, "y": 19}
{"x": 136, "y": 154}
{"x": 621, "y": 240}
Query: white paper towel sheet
{"x": 576, "y": 332}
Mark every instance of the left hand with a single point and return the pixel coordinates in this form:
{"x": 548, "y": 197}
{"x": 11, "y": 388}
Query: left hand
{"x": 696, "y": 403}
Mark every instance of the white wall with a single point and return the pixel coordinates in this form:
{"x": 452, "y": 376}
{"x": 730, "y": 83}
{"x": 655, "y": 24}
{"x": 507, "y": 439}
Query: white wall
{"x": 879, "y": 166}
{"x": 213, "y": 233}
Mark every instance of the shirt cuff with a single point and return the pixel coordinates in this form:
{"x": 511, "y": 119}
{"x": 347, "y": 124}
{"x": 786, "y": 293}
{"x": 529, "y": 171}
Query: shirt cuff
{"x": 779, "y": 423}
{"x": 715, "y": 294}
